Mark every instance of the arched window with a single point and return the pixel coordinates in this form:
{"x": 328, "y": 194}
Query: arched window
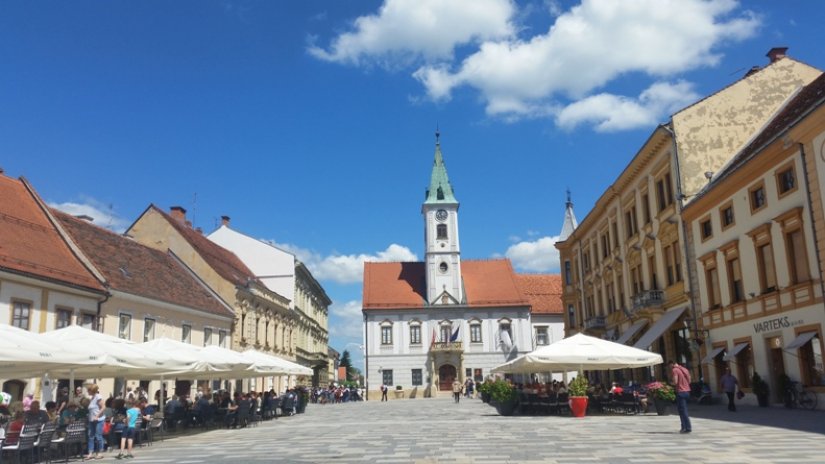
{"x": 386, "y": 333}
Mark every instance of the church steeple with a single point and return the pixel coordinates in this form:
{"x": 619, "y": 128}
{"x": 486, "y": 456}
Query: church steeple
{"x": 443, "y": 252}
{"x": 570, "y": 222}
{"x": 440, "y": 190}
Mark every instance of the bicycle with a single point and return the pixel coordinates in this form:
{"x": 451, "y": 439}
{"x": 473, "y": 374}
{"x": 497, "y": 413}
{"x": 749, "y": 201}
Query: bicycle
{"x": 796, "y": 395}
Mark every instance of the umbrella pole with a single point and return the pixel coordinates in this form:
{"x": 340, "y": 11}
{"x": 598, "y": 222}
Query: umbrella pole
{"x": 71, "y": 384}
{"x": 160, "y": 396}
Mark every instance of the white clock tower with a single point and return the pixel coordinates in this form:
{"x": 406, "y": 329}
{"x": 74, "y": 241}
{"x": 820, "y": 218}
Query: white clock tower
{"x": 443, "y": 254}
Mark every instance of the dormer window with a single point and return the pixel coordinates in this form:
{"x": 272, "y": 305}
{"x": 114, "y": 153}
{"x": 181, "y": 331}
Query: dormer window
{"x": 441, "y": 231}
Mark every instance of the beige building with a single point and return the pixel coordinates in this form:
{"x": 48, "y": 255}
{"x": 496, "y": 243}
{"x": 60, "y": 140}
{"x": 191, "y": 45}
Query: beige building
{"x": 263, "y": 320}
{"x": 625, "y": 266}
{"x": 756, "y": 231}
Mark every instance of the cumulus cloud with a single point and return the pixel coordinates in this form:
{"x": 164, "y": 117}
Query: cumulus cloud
{"x": 536, "y": 256}
{"x": 101, "y": 214}
{"x": 610, "y": 113}
{"x": 524, "y": 74}
{"x": 405, "y": 31}
{"x": 346, "y": 269}
{"x": 347, "y": 320}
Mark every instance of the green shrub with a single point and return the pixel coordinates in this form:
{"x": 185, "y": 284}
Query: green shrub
{"x": 578, "y": 386}
{"x": 501, "y": 391}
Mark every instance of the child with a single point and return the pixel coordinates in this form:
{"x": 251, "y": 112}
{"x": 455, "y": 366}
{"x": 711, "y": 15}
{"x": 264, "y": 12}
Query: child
{"x": 128, "y": 436}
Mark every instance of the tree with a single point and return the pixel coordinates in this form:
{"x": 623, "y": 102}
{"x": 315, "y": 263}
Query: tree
{"x": 346, "y": 362}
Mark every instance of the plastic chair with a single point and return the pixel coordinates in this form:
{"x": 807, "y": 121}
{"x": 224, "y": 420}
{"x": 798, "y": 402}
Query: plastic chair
{"x": 44, "y": 441}
{"x": 25, "y": 442}
{"x": 75, "y": 434}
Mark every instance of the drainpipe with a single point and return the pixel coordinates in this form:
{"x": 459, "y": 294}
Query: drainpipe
{"x": 106, "y": 297}
{"x": 811, "y": 217}
{"x": 366, "y": 359}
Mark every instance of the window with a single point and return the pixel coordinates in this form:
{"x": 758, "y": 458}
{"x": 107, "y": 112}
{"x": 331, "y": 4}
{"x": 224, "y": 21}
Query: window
{"x": 706, "y": 229}
{"x": 712, "y": 283}
{"x": 636, "y": 279}
{"x": 786, "y": 181}
{"x": 446, "y": 332}
{"x": 605, "y": 245}
{"x": 673, "y": 263}
{"x": 441, "y": 231}
{"x": 568, "y": 274}
{"x": 186, "y": 333}
{"x": 646, "y": 208}
{"x": 630, "y": 220}
{"x": 541, "y": 336}
{"x": 148, "y": 329}
{"x": 744, "y": 366}
{"x": 651, "y": 268}
{"x": 475, "y": 332}
{"x": 505, "y": 333}
{"x": 222, "y": 338}
{"x": 810, "y": 362}
{"x": 386, "y": 335}
{"x": 88, "y": 321}
{"x": 767, "y": 270}
{"x": 124, "y": 328}
{"x": 797, "y": 257}
{"x": 757, "y": 196}
{"x": 386, "y": 376}
{"x": 63, "y": 318}
{"x": 207, "y": 336}
{"x": 664, "y": 192}
{"x": 417, "y": 378}
{"x": 615, "y": 228}
{"x": 443, "y": 267}
{"x": 21, "y": 313}
{"x": 737, "y": 292}
{"x": 415, "y": 334}
{"x": 726, "y": 216}
{"x": 571, "y": 315}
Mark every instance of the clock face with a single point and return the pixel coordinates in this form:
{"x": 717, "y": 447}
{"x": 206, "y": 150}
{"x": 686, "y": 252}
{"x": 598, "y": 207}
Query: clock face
{"x": 441, "y": 214}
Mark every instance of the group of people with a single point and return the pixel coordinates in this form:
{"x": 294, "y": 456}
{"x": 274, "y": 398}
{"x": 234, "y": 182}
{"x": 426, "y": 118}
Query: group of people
{"x": 336, "y": 394}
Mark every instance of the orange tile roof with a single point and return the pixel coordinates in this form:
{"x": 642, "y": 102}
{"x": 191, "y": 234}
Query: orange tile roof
{"x": 139, "y": 270}
{"x": 487, "y": 283}
{"x": 30, "y": 244}
{"x": 543, "y": 291}
{"x": 223, "y": 261}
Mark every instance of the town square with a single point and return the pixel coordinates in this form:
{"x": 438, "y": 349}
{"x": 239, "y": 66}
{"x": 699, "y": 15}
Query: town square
{"x": 412, "y": 231}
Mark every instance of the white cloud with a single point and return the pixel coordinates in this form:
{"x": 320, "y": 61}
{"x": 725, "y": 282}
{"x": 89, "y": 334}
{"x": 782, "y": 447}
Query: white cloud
{"x": 346, "y": 269}
{"x": 405, "y": 31}
{"x": 348, "y": 321}
{"x": 537, "y": 256}
{"x": 102, "y": 215}
{"x": 589, "y": 46}
{"x": 610, "y": 113}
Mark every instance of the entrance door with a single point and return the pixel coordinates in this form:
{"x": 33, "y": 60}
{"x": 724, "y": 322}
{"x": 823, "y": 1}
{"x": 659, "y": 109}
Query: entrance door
{"x": 777, "y": 370}
{"x": 446, "y": 376}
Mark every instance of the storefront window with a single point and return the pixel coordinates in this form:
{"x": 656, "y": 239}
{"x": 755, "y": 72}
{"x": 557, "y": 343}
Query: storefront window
{"x": 744, "y": 367}
{"x": 810, "y": 358}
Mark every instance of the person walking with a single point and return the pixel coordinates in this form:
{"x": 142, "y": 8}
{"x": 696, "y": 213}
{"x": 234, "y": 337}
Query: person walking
{"x": 729, "y": 384}
{"x": 95, "y": 428}
{"x": 383, "y": 392}
{"x": 457, "y": 390}
{"x": 127, "y": 438}
{"x": 680, "y": 379}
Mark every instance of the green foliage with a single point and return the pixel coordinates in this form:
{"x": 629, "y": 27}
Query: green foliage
{"x": 501, "y": 391}
{"x": 760, "y": 387}
{"x": 484, "y": 387}
{"x": 578, "y": 386}
{"x": 661, "y": 391}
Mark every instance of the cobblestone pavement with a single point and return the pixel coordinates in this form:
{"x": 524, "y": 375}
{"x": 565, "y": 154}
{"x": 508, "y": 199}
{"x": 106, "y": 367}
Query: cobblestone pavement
{"x": 439, "y": 431}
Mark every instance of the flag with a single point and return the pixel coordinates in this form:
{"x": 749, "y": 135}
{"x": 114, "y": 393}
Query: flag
{"x": 454, "y": 336}
{"x": 433, "y": 342}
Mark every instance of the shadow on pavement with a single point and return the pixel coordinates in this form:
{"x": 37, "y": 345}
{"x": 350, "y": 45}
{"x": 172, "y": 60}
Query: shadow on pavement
{"x": 773, "y": 416}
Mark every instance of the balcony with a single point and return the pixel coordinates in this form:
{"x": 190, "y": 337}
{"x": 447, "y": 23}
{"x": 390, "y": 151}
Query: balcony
{"x": 446, "y": 346}
{"x": 648, "y": 299}
{"x": 596, "y": 322}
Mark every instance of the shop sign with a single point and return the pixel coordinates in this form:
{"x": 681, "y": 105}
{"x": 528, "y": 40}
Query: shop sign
{"x": 776, "y": 324}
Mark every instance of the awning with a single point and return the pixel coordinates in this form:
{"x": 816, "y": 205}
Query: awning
{"x": 736, "y": 350}
{"x": 712, "y": 355}
{"x": 800, "y": 340}
{"x": 659, "y": 328}
{"x": 631, "y": 331}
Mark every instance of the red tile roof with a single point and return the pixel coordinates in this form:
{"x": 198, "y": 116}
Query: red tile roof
{"x": 223, "y": 261}
{"x": 487, "y": 283}
{"x": 543, "y": 291}
{"x": 30, "y": 244}
{"x": 139, "y": 270}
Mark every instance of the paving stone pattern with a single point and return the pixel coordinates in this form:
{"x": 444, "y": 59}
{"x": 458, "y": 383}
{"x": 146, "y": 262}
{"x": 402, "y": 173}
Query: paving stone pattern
{"x": 440, "y": 431}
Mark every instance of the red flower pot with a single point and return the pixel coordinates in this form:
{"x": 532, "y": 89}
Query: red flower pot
{"x": 578, "y": 405}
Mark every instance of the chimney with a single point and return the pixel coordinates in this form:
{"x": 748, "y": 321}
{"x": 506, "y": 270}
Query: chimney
{"x": 178, "y": 213}
{"x": 85, "y": 217}
{"x": 777, "y": 53}
{"x": 225, "y": 221}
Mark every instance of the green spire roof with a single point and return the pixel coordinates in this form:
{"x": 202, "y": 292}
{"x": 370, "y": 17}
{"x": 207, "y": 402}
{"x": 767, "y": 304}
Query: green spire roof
{"x": 440, "y": 190}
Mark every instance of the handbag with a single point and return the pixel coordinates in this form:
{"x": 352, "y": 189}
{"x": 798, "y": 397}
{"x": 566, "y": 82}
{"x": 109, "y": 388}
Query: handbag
{"x": 107, "y": 427}
{"x": 740, "y": 394}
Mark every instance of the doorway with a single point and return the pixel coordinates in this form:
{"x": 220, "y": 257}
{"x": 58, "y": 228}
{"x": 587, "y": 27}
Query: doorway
{"x": 777, "y": 365}
{"x": 446, "y": 376}
{"x": 15, "y": 388}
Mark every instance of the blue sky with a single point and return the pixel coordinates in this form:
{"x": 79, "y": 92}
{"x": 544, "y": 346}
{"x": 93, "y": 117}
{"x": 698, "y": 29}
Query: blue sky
{"x": 311, "y": 123}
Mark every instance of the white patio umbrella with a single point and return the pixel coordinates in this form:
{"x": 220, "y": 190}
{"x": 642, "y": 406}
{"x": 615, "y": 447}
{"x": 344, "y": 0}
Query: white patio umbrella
{"x": 274, "y": 365}
{"x": 200, "y": 364}
{"x": 580, "y": 352}
{"x": 25, "y": 354}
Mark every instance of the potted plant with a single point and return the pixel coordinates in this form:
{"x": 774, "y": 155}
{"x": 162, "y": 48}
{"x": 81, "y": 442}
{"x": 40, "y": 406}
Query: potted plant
{"x": 662, "y": 395}
{"x": 503, "y": 396}
{"x": 484, "y": 390}
{"x": 577, "y": 395}
{"x": 399, "y": 391}
{"x": 761, "y": 389}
